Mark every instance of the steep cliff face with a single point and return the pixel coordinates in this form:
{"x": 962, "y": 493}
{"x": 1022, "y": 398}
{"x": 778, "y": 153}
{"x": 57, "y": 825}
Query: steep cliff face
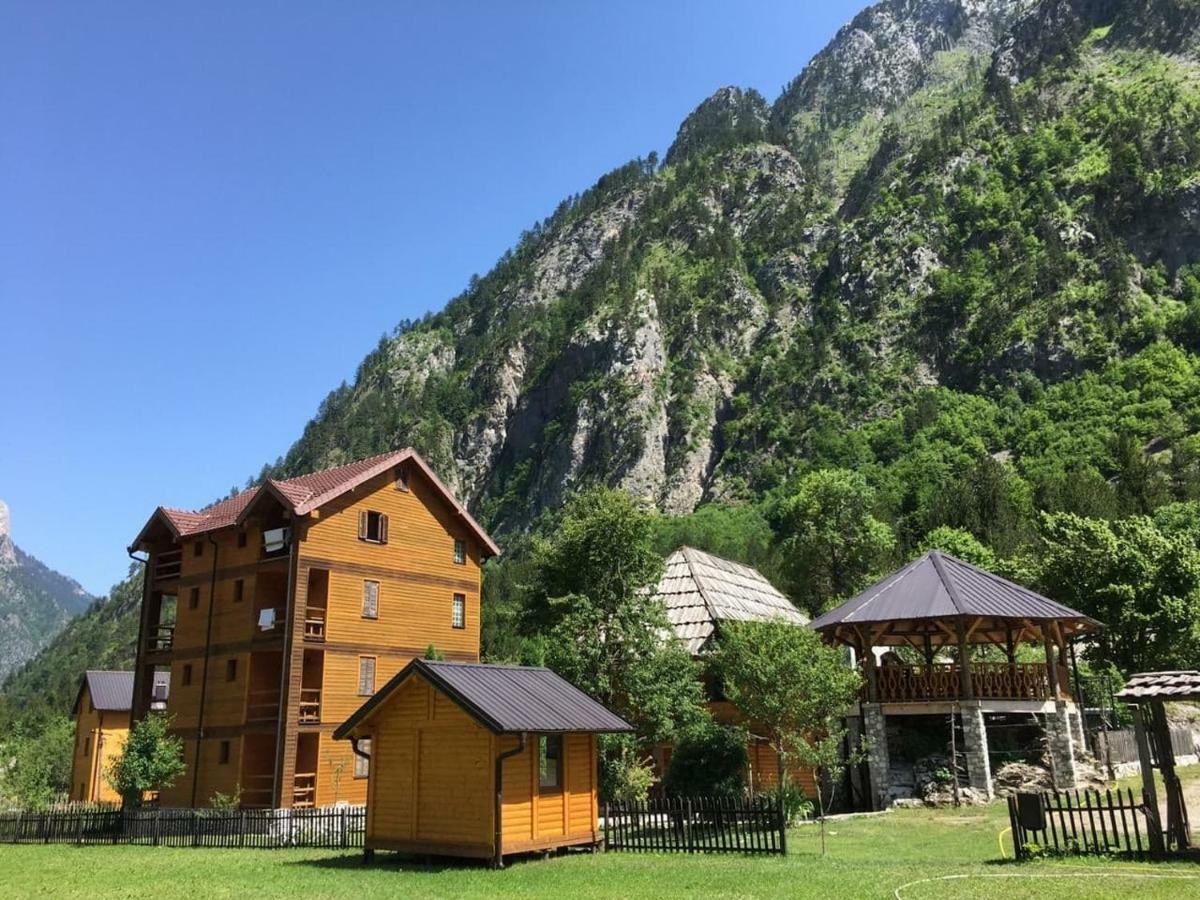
{"x": 35, "y": 601}
{"x": 961, "y": 193}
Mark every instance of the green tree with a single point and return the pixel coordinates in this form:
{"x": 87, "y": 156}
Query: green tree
{"x": 1141, "y": 582}
{"x": 959, "y": 543}
{"x": 152, "y": 760}
{"x": 830, "y": 538}
{"x": 605, "y": 632}
{"x": 788, "y": 682}
{"x": 37, "y": 768}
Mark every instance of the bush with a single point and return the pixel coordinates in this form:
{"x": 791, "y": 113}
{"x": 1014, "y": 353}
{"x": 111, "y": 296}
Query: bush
{"x": 796, "y": 805}
{"x": 709, "y": 762}
{"x": 624, "y": 773}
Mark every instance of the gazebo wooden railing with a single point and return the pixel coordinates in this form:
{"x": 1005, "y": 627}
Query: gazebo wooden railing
{"x": 943, "y": 681}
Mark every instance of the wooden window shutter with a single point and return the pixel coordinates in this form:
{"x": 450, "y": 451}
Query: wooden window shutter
{"x": 362, "y": 525}
{"x": 383, "y": 529}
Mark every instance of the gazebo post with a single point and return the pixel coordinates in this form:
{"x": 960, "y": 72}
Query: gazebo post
{"x": 979, "y": 766}
{"x": 1149, "y": 793}
{"x": 964, "y": 660}
{"x": 1059, "y": 739}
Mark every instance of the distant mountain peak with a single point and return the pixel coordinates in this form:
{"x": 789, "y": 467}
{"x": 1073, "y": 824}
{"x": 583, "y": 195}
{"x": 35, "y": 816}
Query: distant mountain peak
{"x": 8, "y": 553}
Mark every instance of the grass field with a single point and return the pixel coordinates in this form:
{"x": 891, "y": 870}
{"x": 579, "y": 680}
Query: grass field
{"x": 936, "y": 853}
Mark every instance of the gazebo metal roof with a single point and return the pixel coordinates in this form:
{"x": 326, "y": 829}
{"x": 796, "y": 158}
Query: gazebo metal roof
{"x": 938, "y": 587}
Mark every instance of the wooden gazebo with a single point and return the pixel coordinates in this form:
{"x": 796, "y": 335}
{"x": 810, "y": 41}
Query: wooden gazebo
{"x": 937, "y": 603}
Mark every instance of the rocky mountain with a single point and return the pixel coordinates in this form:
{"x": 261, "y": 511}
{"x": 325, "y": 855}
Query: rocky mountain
{"x": 35, "y": 601}
{"x": 960, "y": 254}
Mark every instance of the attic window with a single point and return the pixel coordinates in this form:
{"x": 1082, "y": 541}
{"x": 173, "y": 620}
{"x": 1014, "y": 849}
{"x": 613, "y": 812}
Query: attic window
{"x": 372, "y": 527}
{"x": 198, "y": 548}
{"x": 402, "y": 479}
{"x": 460, "y": 553}
{"x": 241, "y": 539}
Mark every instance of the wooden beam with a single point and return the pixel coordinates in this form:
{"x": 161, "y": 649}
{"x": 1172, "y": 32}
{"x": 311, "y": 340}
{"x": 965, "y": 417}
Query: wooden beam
{"x": 964, "y": 661}
{"x": 1051, "y": 665}
{"x": 869, "y": 663}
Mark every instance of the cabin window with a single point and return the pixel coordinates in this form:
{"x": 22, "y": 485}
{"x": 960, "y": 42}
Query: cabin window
{"x": 460, "y": 553}
{"x": 239, "y": 590}
{"x": 241, "y": 539}
{"x": 458, "y": 611}
{"x": 366, "y": 676}
{"x": 187, "y": 673}
{"x": 198, "y": 549}
{"x": 231, "y": 669}
{"x": 194, "y": 598}
{"x": 223, "y": 758}
{"x": 87, "y": 746}
{"x": 370, "y": 608}
{"x": 362, "y": 767}
{"x": 550, "y": 762}
{"x": 402, "y": 480}
{"x": 372, "y": 527}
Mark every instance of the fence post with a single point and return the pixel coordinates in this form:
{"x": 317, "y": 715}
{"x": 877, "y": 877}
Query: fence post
{"x": 782, "y": 825}
{"x": 607, "y": 825}
{"x": 157, "y": 825}
{"x": 687, "y": 824}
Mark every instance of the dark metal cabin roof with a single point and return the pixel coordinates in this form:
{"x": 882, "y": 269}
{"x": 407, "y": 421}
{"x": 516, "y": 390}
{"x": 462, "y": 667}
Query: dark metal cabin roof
{"x": 505, "y": 699}
{"x": 109, "y": 691}
{"x": 1180, "y": 685}
{"x": 939, "y": 586}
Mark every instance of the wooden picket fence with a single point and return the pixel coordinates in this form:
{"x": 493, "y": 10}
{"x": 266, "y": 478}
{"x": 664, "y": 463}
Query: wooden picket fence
{"x": 329, "y": 828}
{"x": 696, "y": 825}
{"x": 1111, "y": 823}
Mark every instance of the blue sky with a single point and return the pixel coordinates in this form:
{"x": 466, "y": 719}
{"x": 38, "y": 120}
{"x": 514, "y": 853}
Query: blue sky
{"x": 210, "y": 212}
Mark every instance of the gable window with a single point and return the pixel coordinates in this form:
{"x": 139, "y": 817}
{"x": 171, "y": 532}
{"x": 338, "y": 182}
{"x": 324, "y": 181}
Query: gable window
{"x": 458, "y": 611}
{"x": 239, "y": 590}
{"x": 366, "y": 676}
{"x": 372, "y": 526}
{"x": 550, "y": 763}
{"x": 187, "y": 673}
{"x": 241, "y": 539}
{"x": 231, "y": 669}
{"x": 198, "y": 548}
{"x": 362, "y": 767}
{"x": 223, "y": 758}
{"x": 402, "y": 480}
{"x": 370, "y": 607}
{"x": 194, "y": 598}
{"x": 460, "y": 553}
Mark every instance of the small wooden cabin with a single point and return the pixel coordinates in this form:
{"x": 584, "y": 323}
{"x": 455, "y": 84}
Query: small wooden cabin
{"x": 101, "y": 714}
{"x": 482, "y": 761}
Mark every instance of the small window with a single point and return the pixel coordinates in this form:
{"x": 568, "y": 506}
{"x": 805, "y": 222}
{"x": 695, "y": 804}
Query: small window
{"x": 241, "y": 539}
{"x": 366, "y": 676}
{"x": 198, "y": 549}
{"x": 194, "y": 598}
{"x": 239, "y": 590}
{"x": 460, "y": 553}
{"x": 187, "y": 673}
{"x": 402, "y": 480}
{"x": 231, "y": 669}
{"x": 362, "y": 767}
{"x": 223, "y": 759}
{"x": 550, "y": 762}
{"x": 372, "y": 527}
{"x": 458, "y": 611}
{"x": 370, "y": 607}
{"x": 87, "y": 746}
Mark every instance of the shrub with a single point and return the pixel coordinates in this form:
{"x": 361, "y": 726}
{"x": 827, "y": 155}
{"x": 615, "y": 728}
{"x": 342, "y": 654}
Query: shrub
{"x": 796, "y": 805}
{"x": 711, "y": 761}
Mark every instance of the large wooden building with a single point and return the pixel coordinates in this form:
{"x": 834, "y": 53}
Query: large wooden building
{"x": 701, "y": 593}
{"x": 278, "y": 610}
{"x": 479, "y": 760}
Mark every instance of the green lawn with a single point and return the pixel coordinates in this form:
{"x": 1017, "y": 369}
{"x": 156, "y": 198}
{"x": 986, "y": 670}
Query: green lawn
{"x": 868, "y": 857}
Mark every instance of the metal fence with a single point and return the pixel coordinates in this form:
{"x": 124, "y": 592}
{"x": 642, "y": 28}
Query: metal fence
{"x": 332, "y": 828}
{"x": 696, "y": 825}
{"x": 1108, "y": 823}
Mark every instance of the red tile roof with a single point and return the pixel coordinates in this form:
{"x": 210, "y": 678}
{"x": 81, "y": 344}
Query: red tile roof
{"x": 305, "y": 493}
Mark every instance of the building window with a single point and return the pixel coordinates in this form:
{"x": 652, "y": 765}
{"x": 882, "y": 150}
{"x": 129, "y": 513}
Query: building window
{"x": 370, "y": 607}
{"x": 87, "y": 746}
{"x": 550, "y": 762}
{"x": 223, "y": 758}
{"x": 187, "y": 673}
{"x": 460, "y": 553}
{"x": 239, "y": 590}
{"x": 402, "y": 480}
{"x": 231, "y": 669}
{"x": 372, "y": 527}
{"x": 241, "y": 539}
{"x": 458, "y": 611}
{"x": 366, "y": 676}
{"x": 198, "y": 549}
{"x": 362, "y": 767}
{"x": 194, "y": 598}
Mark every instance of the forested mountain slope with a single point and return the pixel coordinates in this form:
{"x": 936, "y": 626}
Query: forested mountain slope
{"x": 960, "y": 255}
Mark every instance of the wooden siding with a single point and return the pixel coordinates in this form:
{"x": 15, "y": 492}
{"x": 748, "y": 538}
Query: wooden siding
{"x": 102, "y": 735}
{"x": 532, "y": 819}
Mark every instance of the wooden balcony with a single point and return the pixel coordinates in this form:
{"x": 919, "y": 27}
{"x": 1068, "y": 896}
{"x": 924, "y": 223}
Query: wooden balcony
{"x": 304, "y": 793}
{"x": 160, "y": 639}
{"x": 168, "y": 564}
{"x": 258, "y": 790}
{"x": 314, "y": 623}
{"x": 942, "y": 682}
{"x": 310, "y": 706}
{"x": 262, "y": 705}
{"x": 267, "y": 627}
